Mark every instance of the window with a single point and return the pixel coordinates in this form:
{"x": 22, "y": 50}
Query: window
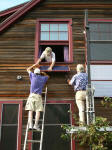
{"x": 101, "y": 40}
{"x": 57, "y": 34}
{"x": 56, "y": 114}
{"x": 101, "y": 76}
{"x": 101, "y": 56}
{"x": 10, "y": 125}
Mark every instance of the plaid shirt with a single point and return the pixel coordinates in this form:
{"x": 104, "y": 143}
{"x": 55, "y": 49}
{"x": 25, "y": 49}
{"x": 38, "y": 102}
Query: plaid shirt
{"x": 79, "y": 81}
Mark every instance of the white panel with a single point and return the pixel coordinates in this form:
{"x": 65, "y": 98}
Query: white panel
{"x": 101, "y": 72}
{"x": 102, "y": 88}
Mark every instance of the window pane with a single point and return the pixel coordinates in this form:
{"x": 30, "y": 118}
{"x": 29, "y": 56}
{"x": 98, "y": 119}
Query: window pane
{"x": 44, "y": 35}
{"x": 103, "y": 27}
{"x": 63, "y": 35}
{"x": 101, "y": 51}
{"x": 100, "y": 36}
{"x": 53, "y": 35}
{"x": 52, "y": 139}
{"x": 10, "y": 114}
{"x": 63, "y": 27}
{"x": 44, "y": 27}
{"x": 57, "y": 114}
{"x": 102, "y": 92}
{"x": 53, "y": 27}
{"x": 8, "y": 138}
{"x": 100, "y": 31}
{"x": 101, "y": 72}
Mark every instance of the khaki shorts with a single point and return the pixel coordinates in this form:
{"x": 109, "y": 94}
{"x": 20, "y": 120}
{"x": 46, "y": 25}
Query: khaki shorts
{"x": 34, "y": 102}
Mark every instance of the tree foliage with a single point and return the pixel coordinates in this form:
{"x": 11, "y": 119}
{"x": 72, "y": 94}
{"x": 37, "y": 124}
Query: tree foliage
{"x": 92, "y": 136}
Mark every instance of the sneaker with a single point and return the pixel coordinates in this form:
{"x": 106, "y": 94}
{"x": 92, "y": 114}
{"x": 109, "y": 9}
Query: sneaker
{"x": 30, "y": 125}
{"x": 36, "y": 127}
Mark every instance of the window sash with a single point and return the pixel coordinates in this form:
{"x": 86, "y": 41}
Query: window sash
{"x": 100, "y": 31}
{"x": 100, "y": 39}
{"x": 53, "y": 32}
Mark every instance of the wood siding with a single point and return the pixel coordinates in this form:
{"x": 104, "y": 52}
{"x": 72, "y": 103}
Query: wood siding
{"x": 17, "y": 43}
{"x": 17, "y": 47}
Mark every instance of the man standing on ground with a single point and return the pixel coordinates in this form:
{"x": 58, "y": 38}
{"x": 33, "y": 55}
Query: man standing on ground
{"x": 34, "y": 102}
{"x": 79, "y": 81}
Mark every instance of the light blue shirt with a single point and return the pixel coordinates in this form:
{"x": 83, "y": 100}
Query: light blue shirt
{"x": 79, "y": 81}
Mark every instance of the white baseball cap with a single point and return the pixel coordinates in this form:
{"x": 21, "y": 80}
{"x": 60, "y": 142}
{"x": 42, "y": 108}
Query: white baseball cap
{"x": 37, "y": 70}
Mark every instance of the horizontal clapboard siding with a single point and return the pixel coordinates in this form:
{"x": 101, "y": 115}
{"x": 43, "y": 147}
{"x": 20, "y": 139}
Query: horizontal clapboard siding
{"x": 17, "y": 43}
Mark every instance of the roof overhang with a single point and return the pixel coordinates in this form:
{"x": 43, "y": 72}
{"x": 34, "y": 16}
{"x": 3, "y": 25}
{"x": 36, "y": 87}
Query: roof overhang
{"x": 11, "y": 19}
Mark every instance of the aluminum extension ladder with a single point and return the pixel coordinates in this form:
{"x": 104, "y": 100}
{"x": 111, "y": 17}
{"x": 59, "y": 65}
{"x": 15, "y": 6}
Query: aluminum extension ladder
{"x": 90, "y": 109}
{"x": 42, "y": 127}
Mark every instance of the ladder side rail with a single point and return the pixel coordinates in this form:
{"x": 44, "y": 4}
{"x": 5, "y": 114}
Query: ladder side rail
{"x": 87, "y": 109}
{"x": 41, "y": 140}
{"x": 88, "y": 98}
{"x": 93, "y": 90}
{"x": 26, "y": 136}
{"x": 90, "y": 114}
{"x": 42, "y": 129}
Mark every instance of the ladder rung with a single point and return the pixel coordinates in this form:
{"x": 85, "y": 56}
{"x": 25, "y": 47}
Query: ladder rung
{"x": 33, "y": 141}
{"x": 39, "y": 119}
{"x": 36, "y": 130}
{"x": 90, "y": 107}
{"x": 91, "y": 111}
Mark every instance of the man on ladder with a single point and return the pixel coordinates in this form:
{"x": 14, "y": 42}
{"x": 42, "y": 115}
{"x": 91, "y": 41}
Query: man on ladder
{"x": 34, "y": 102}
{"x": 79, "y": 81}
